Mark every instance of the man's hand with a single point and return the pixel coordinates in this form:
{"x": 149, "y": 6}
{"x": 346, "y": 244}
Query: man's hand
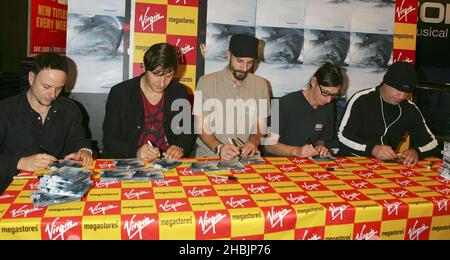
{"x": 35, "y": 162}
{"x": 249, "y": 149}
{"x": 410, "y": 157}
{"x": 229, "y": 152}
{"x": 148, "y": 153}
{"x": 83, "y": 155}
{"x": 174, "y": 152}
{"x": 304, "y": 151}
{"x": 322, "y": 151}
{"x": 384, "y": 152}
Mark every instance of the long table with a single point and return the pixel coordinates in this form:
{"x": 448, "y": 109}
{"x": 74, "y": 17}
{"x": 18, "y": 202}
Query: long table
{"x": 286, "y": 198}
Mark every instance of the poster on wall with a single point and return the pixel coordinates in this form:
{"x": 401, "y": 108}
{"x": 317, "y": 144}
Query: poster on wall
{"x": 171, "y": 21}
{"x": 47, "y": 26}
{"x": 371, "y": 43}
{"x": 299, "y": 36}
{"x": 95, "y": 43}
{"x": 224, "y": 19}
{"x": 280, "y": 25}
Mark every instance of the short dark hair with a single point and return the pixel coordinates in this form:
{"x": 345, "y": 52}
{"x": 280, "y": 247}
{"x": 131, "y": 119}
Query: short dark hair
{"x": 49, "y": 60}
{"x": 329, "y": 75}
{"x": 161, "y": 55}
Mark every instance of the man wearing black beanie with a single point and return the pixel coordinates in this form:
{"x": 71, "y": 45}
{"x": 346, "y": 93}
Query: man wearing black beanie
{"x": 376, "y": 120}
{"x": 236, "y": 95}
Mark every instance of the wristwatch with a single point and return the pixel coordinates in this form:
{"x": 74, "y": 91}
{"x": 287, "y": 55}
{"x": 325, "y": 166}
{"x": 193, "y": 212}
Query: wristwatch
{"x": 217, "y": 149}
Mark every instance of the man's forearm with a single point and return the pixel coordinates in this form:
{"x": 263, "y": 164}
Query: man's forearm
{"x": 210, "y": 140}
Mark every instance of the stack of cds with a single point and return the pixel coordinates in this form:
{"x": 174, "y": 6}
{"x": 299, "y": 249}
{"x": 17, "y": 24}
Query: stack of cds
{"x": 59, "y": 164}
{"x": 165, "y": 164}
{"x": 131, "y": 163}
{"x": 131, "y": 175}
{"x": 66, "y": 184}
{"x": 211, "y": 166}
{"x": 445, "y": 169}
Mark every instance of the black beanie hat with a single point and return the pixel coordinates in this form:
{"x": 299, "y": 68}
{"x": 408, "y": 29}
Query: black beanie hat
{"x": 401, "y": 76}
{"x": 244, "y": 45}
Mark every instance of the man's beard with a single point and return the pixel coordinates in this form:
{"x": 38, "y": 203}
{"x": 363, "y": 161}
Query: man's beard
{"x": 238, "y": 74}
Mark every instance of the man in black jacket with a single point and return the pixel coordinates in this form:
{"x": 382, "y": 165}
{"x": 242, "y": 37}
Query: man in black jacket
{"x": 376, "y": 120}
{"x": 39, "y": 126}
{"x": 143, "y": 116}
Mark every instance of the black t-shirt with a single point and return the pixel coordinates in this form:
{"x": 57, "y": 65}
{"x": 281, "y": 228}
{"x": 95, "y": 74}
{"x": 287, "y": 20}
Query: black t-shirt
{"x": 299, "y": 120}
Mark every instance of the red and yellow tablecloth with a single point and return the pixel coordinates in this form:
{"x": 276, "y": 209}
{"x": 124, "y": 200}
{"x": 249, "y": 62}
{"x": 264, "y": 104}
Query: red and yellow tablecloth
{"x": 286, "y": 198}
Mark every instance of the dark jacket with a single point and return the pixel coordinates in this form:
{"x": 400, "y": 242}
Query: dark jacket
{"x": 363, "y": 126}
{"x": 22, "y": 133}
{"x": 124, "y": 119}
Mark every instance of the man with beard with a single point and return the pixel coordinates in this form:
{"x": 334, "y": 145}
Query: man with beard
{"x": 39, "y": 126}
{"x": 232, "y": 103}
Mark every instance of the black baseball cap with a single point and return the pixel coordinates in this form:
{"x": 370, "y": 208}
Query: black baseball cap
{"x": 401, "y": 76}
{"x": 244, "y": 45}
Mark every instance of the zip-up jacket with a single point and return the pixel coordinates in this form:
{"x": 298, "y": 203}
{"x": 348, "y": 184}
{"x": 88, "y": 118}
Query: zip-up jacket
{"x": 363, "y": 127}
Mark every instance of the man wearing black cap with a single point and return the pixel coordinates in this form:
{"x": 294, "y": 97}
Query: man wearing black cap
{"x": 376, "y": 120}
{"x": 231, "y": 103}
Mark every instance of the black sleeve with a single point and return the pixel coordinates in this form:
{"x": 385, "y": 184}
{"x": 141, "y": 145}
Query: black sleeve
{"x": 422, "y": 140}
{"x": 351, "y": 122}
{"x": 76, "y": 138}
{"x": 8, "y": 162}
{"x": 113, "y": 145}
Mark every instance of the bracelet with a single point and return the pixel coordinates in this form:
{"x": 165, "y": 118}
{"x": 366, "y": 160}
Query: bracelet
{"x": 86, "y": 149}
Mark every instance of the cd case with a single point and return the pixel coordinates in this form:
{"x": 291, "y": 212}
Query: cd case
{"x": 131, "y": 175}
{"x": 209, "y": 166}
{"x": 77, "y": 190}
{"x": 165, "y": 164}
{"x": 132, "y": 163}
{"x": 59, "y": 164}
{"x": 318, "y": 158}
{"x": 42, "y": 199}
{"x": 66, "y": 175}
{"x": 255, "y": 159}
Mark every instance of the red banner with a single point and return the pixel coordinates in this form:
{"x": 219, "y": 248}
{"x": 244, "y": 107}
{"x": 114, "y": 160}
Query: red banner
{"x": 48, "y": 23}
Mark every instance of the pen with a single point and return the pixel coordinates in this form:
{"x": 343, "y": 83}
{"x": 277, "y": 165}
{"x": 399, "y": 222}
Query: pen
{"x": 330, "y": 169}
{"x": 151, "y": 145}
{"x": 235, "y": 142}
{"x": 309, "y": 141}
{"x": 227, "y": 177}
{"x": 27, "y": 177}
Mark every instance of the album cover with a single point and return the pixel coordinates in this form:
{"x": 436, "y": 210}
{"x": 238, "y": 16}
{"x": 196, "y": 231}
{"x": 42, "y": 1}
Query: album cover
{"x": 41, "y": 199}
{"x": 132, "y": 163}
{"x": 254, "y": 159}
{"x": 216, "y": 166}
{"x": 67, "y": 174}
{"x": 59, "y": 164}
{"x": 165, "y": 164}
{"x": 318, "y": 158}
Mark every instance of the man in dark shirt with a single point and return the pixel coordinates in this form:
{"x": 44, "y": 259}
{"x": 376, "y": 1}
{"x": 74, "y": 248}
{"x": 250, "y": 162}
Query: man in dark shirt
{"x": 39, "y": 126}
{"x": 306, "y": 117}
{"x": 140, "y": 119}
{"x": 376, "y": 120}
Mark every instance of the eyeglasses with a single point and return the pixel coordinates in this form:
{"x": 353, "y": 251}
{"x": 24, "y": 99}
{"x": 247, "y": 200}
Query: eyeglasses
{"x": 326, "y": 93}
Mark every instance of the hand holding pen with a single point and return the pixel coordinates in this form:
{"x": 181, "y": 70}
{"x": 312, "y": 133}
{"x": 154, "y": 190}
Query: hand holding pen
{"x": 148, "y": 152}
{"x": 321, "y": 150}
{"x": 306, "y": 150}
{"x": 36, "y": 162}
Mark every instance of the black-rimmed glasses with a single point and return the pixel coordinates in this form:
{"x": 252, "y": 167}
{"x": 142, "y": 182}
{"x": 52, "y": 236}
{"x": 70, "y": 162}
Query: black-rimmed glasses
{"x": 326, "y": 93}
